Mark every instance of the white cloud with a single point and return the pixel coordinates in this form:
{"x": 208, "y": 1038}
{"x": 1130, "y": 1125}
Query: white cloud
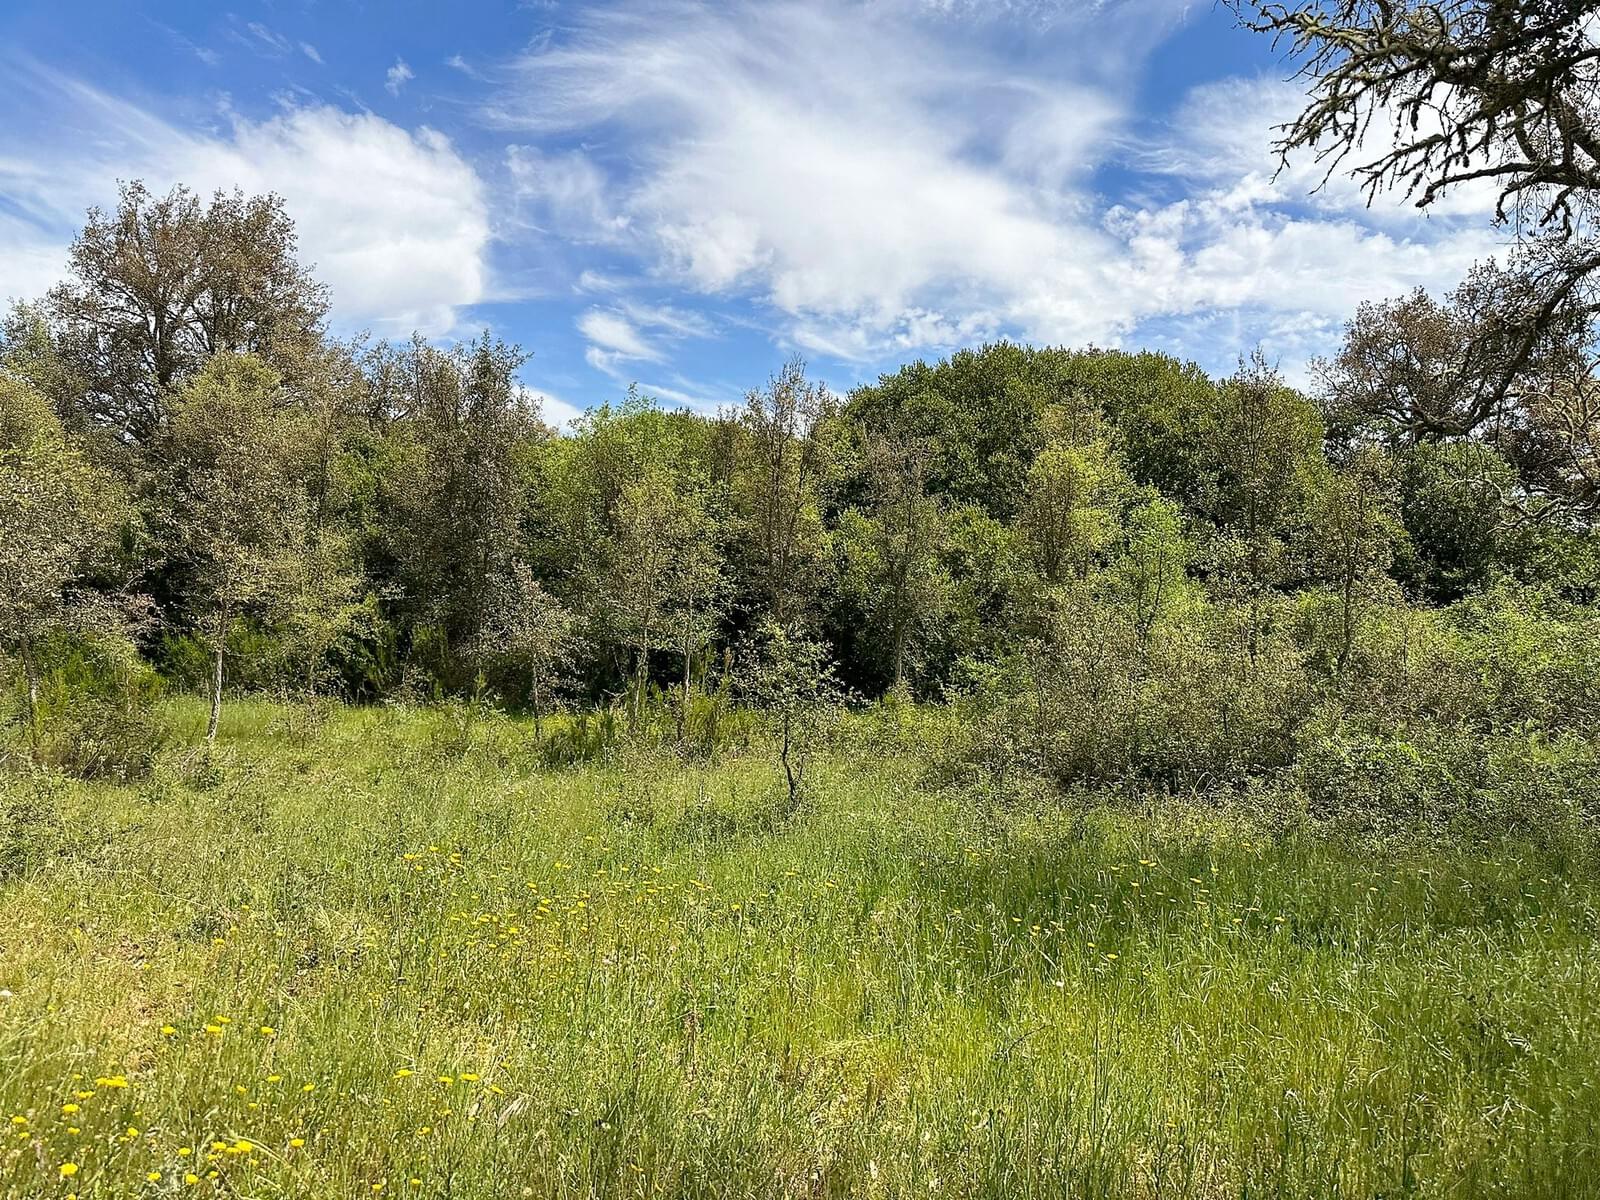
{"x": 555, "y": 411}
{"x": 310, "y": 52}
{"x": 888, "y": 184}
{"x": 854, "y": 188}
{"x": 398, "y": 76}
{"x": 565, "y": 193}
{"x": 630, "y": 333}
{"x": 612, "y": 336}
{"x": 395, "y": 222}
{"x": 30, "y": 261}
{"x": 270, "y": 39}
{"x": 1224, "y": 133}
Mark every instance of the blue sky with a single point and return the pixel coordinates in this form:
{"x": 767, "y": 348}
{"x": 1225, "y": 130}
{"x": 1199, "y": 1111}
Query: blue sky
{"x": 684, "y": 194}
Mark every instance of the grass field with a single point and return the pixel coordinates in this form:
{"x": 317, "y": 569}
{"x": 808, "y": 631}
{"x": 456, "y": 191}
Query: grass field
{"x": 357, "y": 960}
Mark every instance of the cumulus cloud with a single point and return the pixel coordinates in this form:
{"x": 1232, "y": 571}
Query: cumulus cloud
{"x": 396, "y": 222}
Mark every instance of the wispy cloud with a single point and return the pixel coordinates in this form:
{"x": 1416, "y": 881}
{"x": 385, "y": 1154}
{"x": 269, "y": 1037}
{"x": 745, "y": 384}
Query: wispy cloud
{"x": 269, "y": 39}
{"x": 886, "y": 181}
{"x": 398, "y": 76}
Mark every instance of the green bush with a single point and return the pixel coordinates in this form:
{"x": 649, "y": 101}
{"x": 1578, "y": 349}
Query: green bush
{"x": 97, "y": 708}
{"x": 32, "y": 829}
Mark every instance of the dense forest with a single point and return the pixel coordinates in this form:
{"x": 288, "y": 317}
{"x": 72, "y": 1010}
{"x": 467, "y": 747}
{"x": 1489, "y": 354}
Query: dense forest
{"x": 1119, "y": 569}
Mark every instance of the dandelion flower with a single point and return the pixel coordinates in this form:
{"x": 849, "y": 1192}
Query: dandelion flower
{"x": 68, "y": 1170}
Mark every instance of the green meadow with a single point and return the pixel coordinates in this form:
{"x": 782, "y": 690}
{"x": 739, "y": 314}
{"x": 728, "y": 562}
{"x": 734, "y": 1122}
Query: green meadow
{"x": 386, "y": 953}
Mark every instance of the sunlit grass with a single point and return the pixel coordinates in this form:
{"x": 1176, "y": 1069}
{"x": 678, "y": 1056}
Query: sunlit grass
{"x": 349, "y": 961}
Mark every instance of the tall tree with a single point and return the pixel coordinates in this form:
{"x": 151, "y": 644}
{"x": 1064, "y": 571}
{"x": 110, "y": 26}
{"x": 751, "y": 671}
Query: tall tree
{"x": 662, "y": 572}
{"x": 1266, "y": 440}
{"x": 452, "y": 488}
{"x": 892, "y": 550}
{"x": 787, "y": 462}
{"x": 531, "y": 631}
{"x": 1423, "y": 98}
{"x": 160, "y": 284}
{"x": 1354, "y": 531}
{"x": 1152, "y": 572}
{"x": 1417, "y": 371}
{"x": 237, "y": 449}
{"x": 56, "y": 512}
{"x": 1070, "y": 513}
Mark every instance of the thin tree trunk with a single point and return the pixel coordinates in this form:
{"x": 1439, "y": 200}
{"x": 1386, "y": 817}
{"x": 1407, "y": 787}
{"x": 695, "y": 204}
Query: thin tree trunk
{"x": 223, "y": 618}
{"x": 683, "y": 703}
{"x": 1348, "y": 624}
{"x": 30, "y": 668}
{"x": 788, "y": 771}
{"x": 641, "y": 675}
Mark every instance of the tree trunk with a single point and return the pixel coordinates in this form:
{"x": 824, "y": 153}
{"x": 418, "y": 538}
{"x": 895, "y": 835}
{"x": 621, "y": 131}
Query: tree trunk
{"x": 30, "y": 668}
{"x": 223, "y": 618}
{"x": 683, "y": 701}
{"x": 1348, "y": 623}
{"x": 788, "y": 770}
{"x": 641, "y": 674}
{"x": 538, "y": 710}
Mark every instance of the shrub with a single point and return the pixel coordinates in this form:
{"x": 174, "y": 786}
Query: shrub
{"x": 97, "y": 711}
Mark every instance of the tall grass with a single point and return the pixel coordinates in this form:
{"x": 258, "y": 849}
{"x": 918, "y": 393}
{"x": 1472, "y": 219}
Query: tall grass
{"x": 372, "y": 956}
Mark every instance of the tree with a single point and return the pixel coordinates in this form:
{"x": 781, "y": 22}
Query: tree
{"x": 1417, "y": 371}
{"x": 451, "y": 486}
{"x": 791, "y": 681}
{"x": 1266, "y": 439}
{"x": 237, "y": 449}
{"x": 532, "y": 631}
{"x": 161, "y": 284}
{"x": 892, "y": 564}
{"x": 786, "y": 462}
{"x": 56, "y": 512}
{"x": 1452, "y": 504}
{"x": 1152, "y": 572}
{"x": 663, "y": 573}
{"x": 1432, "y": 97}
{"x": 315, "y": 597}
{"x": 1068, "y": 515}
{"x": 1354, "y": 531}
{"x": 1467, "y": 90}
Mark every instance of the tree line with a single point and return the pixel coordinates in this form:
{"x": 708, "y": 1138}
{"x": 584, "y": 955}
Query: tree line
{"x": 192, "y": 461}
